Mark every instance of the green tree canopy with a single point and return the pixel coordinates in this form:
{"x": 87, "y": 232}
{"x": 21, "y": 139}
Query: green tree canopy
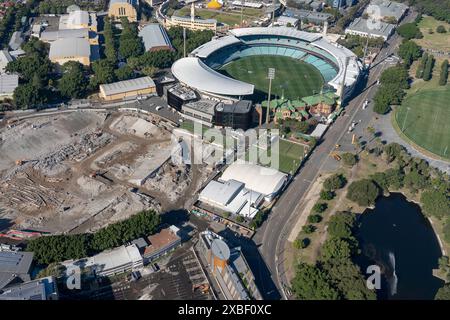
{"x": 310, "y": 283}
{"x": 435, "y": 203}
{"x": 73, "y": 83}
{"x": 364, "y": 192}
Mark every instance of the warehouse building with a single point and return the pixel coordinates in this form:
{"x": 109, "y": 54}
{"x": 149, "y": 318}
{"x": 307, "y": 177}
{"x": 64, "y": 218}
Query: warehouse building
{"x": 155, "y": 38}
{"x": 123, "y": 8}
{"x": 8, "y": 83}
{"x": 126, "y": 89}
{"x": 70, "y": 49}
{"x": 15, "y": 267}
{"x": 78, "y": 19}
{"x": 162, "y": 243}
{"x": 39, "y": 289}
{"x": 51, "y": 36}
{"x": 228, "y": 266}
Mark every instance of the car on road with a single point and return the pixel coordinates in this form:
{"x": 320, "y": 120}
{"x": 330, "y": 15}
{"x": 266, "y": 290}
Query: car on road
{"x": 158, "y": 108}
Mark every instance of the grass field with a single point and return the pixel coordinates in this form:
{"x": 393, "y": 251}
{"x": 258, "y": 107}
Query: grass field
{"x": 426, "y": 122}
{"x": 294, "y": 78}
{"x": 290, "y": 156}
{"x": 222, "y": 17}
{"x": 437, "y": 41}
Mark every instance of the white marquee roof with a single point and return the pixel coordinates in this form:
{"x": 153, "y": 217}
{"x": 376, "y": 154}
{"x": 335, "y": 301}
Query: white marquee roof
{"x": 264, "y": 180}
{"x": 194, "y": 73}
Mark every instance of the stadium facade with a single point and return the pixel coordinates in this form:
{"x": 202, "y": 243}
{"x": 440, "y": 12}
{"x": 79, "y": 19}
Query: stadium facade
{"x": 339, "y": 67}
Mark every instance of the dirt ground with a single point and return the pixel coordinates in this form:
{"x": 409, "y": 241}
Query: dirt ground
{"x": 77, "y": 172}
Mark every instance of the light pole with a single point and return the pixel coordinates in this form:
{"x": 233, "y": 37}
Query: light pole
{"x": 271, "y": 76}
{"x": 184, "y": 42}
{"x": 404, "y": 121}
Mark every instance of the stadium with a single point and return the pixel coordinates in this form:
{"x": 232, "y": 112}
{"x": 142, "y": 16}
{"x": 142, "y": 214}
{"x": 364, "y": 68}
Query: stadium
{"x": 235, "y": 66}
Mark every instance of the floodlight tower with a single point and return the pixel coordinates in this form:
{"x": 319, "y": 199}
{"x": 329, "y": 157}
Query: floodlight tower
{"x": 271, "y": 76}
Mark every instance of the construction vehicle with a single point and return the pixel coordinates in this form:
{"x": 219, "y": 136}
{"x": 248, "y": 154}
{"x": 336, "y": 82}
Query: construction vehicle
{"x": 20, "y": 162}
{"x": 337, "y": 146}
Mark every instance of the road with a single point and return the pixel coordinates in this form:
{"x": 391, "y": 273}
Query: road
{"x": 272, "y": 236}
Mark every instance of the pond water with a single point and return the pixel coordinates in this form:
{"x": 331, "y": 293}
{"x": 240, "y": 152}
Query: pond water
{"x": 400, "y": 240}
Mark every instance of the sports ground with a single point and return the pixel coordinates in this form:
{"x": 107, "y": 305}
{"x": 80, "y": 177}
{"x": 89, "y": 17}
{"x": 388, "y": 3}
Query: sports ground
{"x": 294, "y": 78}
{"x": 424, "y": 118}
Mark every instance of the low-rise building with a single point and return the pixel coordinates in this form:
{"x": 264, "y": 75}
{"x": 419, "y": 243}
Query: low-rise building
{"x": 178, "y": 95}
{"x": 15, "y": 267}
{"x": 78, "y": 19}
{"x": 70, "y": 49}
{"x": 127, "y": 89}
{"x": 109, "y": 262}
{"x": 39, "y": 289}
{"x": 237, "y": 115}
{"x": 191, "y": 22}
{"x": 162, "y": 243}
{"x": 123, "y": 8}
{"x": 313, "y": 17}
{"x": 321, "y": 104}
{"x": 201, "y": 111}
{"x": 386, "y": 10}
{"x": 287, "y": 21}
{"x": 232, "y": 197}
{"x": 229, "y": 267}
{"x": 370, "y": 28}
{"x": 8, "y": 83}
{"x": 155, "y": 38}
{"x": 51, "y": 36}
{"x": 5, "y": 58}
{"x": 16, "y": 40}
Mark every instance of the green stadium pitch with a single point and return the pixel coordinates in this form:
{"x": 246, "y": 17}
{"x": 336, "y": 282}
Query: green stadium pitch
{"x": 424, "y": 118}
{"x": 293, "y": 78}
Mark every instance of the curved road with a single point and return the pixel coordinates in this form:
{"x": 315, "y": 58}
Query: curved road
{"x": 272, "y": 236}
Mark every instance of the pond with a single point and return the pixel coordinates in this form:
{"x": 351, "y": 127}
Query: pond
{"x": 400, "y": 240}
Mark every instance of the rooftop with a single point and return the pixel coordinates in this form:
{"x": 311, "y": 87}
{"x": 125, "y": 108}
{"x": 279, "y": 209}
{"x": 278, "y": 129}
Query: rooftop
{"x": 70, "y": 47}
{"x": 48, "y": 36}
{"x": 372, "y": 27}
{"x": 74, "y": 20}
{"x": 386, "y": 8}
{"x": 127, "y": 85}
{"x": 153, "y": 36}
{"x": 8, "y": 83}
{"x": 182, "y": 92}
{"x": 205, "y": 106}
{"x": 160, "y": 240}
{"x": 39, "y": 289}
{"x": 13, "y": 264}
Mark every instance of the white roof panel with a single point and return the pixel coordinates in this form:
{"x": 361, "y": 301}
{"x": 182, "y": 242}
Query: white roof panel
{"x": 127, "y": 85}
{"x": 194, "y": 73}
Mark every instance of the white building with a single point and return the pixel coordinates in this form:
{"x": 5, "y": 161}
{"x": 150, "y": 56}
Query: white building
{"x": 370, "y": 28}
{"x": 8, "y": 83}
{"x": 109, "y": 262}
{"x": 5, "y": 58}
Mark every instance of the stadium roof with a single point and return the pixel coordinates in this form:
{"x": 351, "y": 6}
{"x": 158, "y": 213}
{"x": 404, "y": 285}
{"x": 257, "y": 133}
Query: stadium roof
{"x": 153, "y": 36}
{"x": 194, "y": 73}
{"x": 70, "y": 47}
{"x": 48, "y": 36}
{"x": 127, "y": 85}
{"x": 206, "y": 49}
{"x": 266, "y": 181}
{"x": 277, "y": 31}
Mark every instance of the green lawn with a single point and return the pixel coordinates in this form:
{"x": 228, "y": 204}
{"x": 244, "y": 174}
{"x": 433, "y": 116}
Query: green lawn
{"x": 294, "y": 78}
{"x": 426, "y": 122}
{"x": 290, "y": 155}
{"x": 438, "y": 41}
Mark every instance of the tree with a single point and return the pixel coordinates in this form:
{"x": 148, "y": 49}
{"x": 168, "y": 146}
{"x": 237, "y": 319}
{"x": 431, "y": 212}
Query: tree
{"x": 124, "y": 73}
{"x": 240, "y": 219}
{"x": 334, "y": 182}
{"x": 301, "y": 243}
{"x": 435, "y": 203}
{"x": 150, "y": 71}
{"x": 310, "y": 283}
{"x": 314, "y": 218}
{"x": 130, "y": 44}
{"x": 27, "y": 96}
{"x": 103, "y": 72}
{"x": 409, "y": 31}
{"x": 441, "y": 29}
{"x": 73, "y": 83}
{"x": 409, "y": 51}
{"x": 364, "y": 192}
{"x": 392, "y": 151}
{"x": 327, "y": 195}
{"x": 414, "y": 180}
{"x": 349, "y": 159}
{"x": 446, "y": 230}
{"x": 444, "y": 73}
{"x": 443, "y": 293}
{"x": 319, "y": 207}
{"x": 341, "y": 225}
{"x": 335, "y": 248}
{"x": 428, "y": 69}
{"x": 420, "y": 68}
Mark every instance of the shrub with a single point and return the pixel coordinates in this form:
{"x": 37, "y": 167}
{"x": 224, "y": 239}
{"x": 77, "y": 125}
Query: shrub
{"x": 441, "y": 29}
{"x": 336, "y": 181}
{"x": 308, "y": 229}
{"x": 301, "y": 243}
{"x": 314, "y": 218}
{"x": 327, "y": 195}
{"x": 349, "y": 159}
{"x": 319, "y": 207}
